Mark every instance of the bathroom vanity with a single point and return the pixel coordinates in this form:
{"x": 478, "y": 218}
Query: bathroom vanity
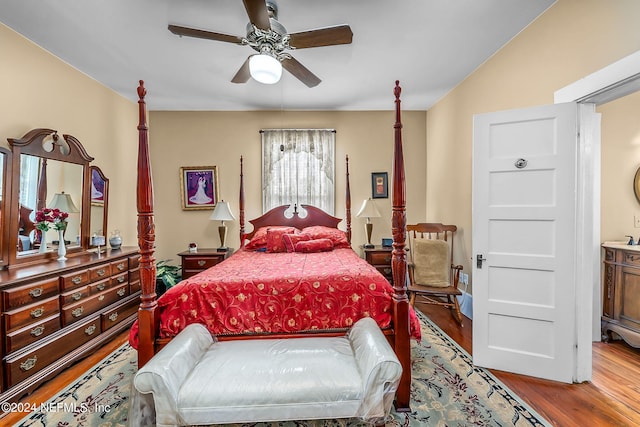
{"x": 621, "y": 293}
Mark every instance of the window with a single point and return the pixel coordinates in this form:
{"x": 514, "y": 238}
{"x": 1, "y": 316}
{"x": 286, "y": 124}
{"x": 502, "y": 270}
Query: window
{"x": 298, "y": 168}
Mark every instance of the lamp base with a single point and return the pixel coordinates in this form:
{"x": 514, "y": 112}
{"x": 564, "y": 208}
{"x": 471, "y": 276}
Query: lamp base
{"x": 222, "y": 231}
{"x": 222, "y": 249}
{"x": 369, "y": 246}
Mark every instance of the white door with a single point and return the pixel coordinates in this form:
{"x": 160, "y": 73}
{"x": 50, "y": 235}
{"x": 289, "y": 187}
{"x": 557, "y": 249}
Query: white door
{"x": 525, "y": 199}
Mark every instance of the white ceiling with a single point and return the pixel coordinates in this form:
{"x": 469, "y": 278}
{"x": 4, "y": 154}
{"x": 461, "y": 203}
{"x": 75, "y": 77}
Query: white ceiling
{"x": 429, "y": 45}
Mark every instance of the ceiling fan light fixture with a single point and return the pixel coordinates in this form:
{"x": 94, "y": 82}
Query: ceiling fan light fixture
{"x": 265, "y": 68}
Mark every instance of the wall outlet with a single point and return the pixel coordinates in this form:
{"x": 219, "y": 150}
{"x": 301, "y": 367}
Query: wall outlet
{"x": 636, "y": 221}
{"x": 464, "y": 278}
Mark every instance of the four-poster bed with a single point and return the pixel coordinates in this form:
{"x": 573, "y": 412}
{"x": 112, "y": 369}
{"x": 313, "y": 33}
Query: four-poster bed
{"x": 289, "y": 293}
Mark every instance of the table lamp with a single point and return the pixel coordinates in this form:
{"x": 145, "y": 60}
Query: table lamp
{"x": 63, "y": 202}
{"x": 222, "y": 213}
{"x": 369, "y": 211}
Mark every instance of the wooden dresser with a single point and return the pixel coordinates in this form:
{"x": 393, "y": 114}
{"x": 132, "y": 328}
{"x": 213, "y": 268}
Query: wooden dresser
{"x": 621, "y": 293}
{"x": 54, "y": 313}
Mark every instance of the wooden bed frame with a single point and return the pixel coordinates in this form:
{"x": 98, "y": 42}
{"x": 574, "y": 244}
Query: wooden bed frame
{"x": 148, "y": 341}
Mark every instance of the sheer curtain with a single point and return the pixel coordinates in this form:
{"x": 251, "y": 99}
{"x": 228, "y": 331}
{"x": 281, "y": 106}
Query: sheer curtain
{"x": 298, "y": 167}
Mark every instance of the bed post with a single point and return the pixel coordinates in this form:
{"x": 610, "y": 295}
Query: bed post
{"x": 147, "y": 315}
{"x": 348, "y": 203}
{"x": 241, "y": 199}
{"x": 399, "y": 265}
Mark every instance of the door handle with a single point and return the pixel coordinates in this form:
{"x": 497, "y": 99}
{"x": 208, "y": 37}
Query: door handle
{"x": 479, "y": 259}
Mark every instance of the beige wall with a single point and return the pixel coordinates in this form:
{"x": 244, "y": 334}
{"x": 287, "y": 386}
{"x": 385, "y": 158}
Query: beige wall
{"x": 38, "y": 90}
{"x": 220, "y": 138}
{"x": 571, "y": 40}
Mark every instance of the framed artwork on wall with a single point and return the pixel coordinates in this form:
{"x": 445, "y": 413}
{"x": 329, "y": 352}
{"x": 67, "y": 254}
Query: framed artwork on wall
{"x": 199, "y": 187}
{"x": 379, "y": 185}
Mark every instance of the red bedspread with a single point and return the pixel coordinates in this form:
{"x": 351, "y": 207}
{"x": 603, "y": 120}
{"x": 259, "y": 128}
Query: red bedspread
{"x": 257, "y": 292}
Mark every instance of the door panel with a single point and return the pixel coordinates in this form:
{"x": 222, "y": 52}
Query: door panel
{"x": 524, "y": 207}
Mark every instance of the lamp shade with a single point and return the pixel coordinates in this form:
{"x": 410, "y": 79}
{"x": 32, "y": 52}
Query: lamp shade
{"x": 222, "y": 212}
{"x": 368, "y": 210}
{"x": 265, "y": 68}
{"x": 63, "y": 202}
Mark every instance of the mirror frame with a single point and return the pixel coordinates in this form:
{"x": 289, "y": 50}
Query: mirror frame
{"x": 32, "y": 143}
{"x": 105, "y": 203}
{"x": 4, "y": 205}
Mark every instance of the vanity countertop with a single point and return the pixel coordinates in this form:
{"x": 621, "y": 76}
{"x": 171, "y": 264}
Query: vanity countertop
{"x": 621, "y": 245}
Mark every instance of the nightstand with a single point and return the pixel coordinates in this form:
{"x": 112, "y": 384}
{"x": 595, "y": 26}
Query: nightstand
{"x": 380, "y": 258}
{"x": 203, "y": 258}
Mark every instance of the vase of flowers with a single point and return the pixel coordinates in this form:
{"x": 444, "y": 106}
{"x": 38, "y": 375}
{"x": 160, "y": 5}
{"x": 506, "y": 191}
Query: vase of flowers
{"x": 47, "y": 219}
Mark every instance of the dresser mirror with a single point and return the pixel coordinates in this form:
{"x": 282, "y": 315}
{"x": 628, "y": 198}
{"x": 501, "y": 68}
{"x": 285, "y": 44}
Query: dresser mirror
{"x": 5, "y": 175}
{"x": 49, "y": 172}
{"x": 99, "y": 202}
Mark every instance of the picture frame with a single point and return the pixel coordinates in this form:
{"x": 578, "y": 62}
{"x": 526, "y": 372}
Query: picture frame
{"x": 98, "y": 184}
{"x": 379, "y": 185}
{"x": 199, "y": 187}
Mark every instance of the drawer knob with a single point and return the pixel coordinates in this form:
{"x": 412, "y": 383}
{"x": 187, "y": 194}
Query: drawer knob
{"x": 90, "y": 330}
{"x": 121, "y": 291}
{"x": 29, "y": 363}
{"x": 35, "y": 292}
{"x": 76, "y": 296}
{"x": 77, "y": 312}
{"x": 77, "y": 279}
{"x": 37, "y": 312}
{"x": 113, "y": 316}
{"x": 101, "y": 272}
{"x": 120, "y": 266}
{"x": 201, "y": 262}
{"x": 120, "y": 279}
{"x": 100, "y": 287}
{"x": 101, "y": 297}
{"x": 37, "y": 331}
{"x": 387, "y": 259}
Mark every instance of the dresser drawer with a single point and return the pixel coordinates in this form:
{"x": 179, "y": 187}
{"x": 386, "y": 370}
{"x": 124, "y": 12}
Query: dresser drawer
{"x": 119, "y": 266}
{"x": 19, "y": 368}
{"x": 74, "y": 295}
{"x": 30, "y": 314}
{"x": 100, "y": 272}
{"x": 386, "y": 271}
{"x": 100, "y": 286}
{"x": 27, "y": 294}
{"x": 379, "y": 258}
{"x": 32, "y": 333}
{"x": 82, "y": 309}
{"x": 74, "y": 280}
{"x": 201, "y": 262}
{"x": 631, "y": 258}
{"x": 116, "y": 315}
{"x": 120, "y": 279}
{"x": 134, "y": 262}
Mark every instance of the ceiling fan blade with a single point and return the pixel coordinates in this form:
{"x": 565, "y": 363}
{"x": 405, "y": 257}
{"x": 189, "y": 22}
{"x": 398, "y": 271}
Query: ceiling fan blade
{"x": 202, "y": 34}
{"x": 258, "y": 15}
{"x": 329, "y": 36}
{"x": 243, "y": 74}
{"x": 300, "y": 72}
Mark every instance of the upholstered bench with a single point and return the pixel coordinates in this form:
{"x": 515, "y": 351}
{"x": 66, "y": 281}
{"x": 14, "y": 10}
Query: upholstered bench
{"x": 197, "y": 380}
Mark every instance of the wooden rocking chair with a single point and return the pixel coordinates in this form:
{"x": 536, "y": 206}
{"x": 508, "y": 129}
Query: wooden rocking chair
{"x": 433, "y": 276}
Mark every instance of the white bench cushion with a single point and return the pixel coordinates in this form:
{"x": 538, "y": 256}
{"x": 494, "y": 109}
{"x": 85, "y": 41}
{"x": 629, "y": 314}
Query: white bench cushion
{"x": 272, "y": 380}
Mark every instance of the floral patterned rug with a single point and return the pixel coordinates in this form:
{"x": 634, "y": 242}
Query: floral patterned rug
{"x": 446, "y": 390}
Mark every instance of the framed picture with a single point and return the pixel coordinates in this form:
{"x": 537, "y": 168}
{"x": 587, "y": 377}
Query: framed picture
{"x": 97, "y": 188}
{"x": 199, "y": 186}
{"x": 379, "y": 185}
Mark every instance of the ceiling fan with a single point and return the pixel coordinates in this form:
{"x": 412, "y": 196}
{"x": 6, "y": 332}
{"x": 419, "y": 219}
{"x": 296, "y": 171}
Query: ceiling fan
{"x": 270, "y": 39}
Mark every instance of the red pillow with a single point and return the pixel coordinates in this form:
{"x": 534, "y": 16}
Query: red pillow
{"x": 275, "y": 243}
{"x": 338, "y": 237}
{"x": 259, "y": 239}
{"x": 290, "y": 240}
{"x": 316, "y": 245}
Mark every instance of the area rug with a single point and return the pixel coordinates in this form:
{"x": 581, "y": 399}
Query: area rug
{"x": 446, "y": 390}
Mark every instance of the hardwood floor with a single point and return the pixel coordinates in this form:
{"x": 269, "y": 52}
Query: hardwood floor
{"x": 610, "y": 399}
